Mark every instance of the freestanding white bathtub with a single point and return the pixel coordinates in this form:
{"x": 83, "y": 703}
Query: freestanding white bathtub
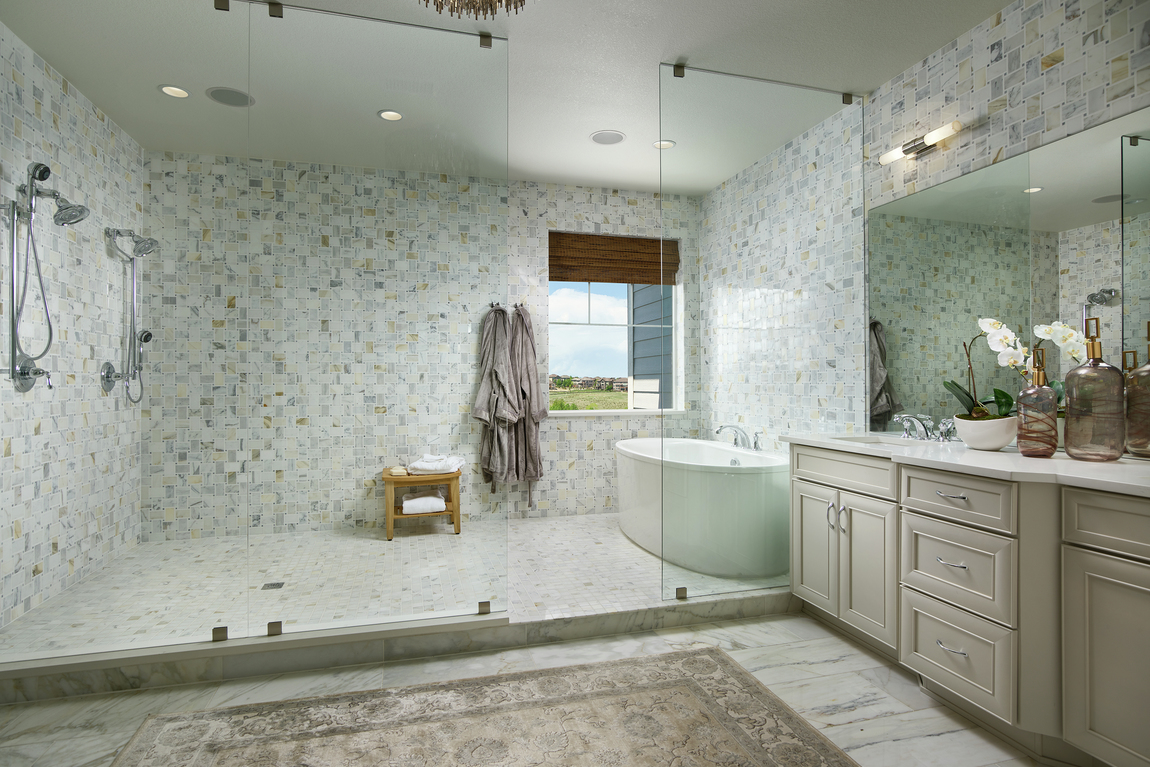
{"x": 706, "y": 506}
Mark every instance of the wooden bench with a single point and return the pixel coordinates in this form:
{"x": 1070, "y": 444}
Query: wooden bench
{"x": 395, "y": 509}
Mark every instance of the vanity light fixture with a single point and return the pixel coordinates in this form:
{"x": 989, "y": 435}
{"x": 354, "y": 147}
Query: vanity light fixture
{"x": 922, "y": 144}
{"x": 173, "y": 91}
{"x": 390, "y": 114}
{"x": 474, "y": 8}
{"x": 1032, "y": 190}
{"x": 664, "y": 144}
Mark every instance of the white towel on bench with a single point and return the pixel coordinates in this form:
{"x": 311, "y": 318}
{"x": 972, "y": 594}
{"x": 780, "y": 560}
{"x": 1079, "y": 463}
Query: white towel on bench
{"x": 426, "y": 502}
{"x": 436, "y": 464}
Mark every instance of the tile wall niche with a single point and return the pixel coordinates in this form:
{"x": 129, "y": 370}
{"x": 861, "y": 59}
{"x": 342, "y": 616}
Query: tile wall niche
{"x": 1090, "y": 258}
{"x": 316, "y": 324}
{"x": 783, "y": 289}
{"x": 579, "y": 452}
{"x": 922, "y": 273}
{"x": 69, "y": 474}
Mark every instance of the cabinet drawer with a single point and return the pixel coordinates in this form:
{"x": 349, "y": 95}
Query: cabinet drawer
{"x": 984, "y": 502}
{"x": 1118, "y": 523}
{"x": 850, "y": 471}
{"x": 966, "y": 567}
{"x": 968, "y": 655}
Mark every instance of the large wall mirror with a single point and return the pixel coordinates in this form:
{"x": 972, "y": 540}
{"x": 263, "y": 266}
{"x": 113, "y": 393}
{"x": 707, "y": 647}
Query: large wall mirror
{"x": 1032, "y": 239}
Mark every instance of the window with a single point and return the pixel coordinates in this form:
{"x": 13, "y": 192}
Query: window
{"x": 611, "y": 329}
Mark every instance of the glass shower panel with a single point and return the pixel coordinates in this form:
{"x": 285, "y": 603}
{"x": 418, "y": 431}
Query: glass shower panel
{"x": 378, "y": 241}
{"x": 1136, "y": 245}
{"x": 762, "y": 189}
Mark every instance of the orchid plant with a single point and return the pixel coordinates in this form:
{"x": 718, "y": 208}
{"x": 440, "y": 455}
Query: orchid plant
{"x": 1014, "y": 354}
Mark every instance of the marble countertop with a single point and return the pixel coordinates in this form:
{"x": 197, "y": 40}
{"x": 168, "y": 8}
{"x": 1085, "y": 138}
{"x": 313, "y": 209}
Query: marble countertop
{"x": 1126, "y": 475}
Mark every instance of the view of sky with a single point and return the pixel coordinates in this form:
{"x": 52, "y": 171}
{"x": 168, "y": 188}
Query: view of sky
{"x": 592, "y": 350}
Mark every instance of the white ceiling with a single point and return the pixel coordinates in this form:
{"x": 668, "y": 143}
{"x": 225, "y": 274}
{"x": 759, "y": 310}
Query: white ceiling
{"x": 573, "y": 67}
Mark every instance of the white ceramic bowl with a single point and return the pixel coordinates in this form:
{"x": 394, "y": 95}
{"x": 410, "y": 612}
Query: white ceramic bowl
{"x": 994, "y": 434}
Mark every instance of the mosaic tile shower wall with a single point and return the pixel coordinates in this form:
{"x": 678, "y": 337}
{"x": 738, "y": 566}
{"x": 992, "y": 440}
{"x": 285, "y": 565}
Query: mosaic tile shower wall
{"x": 1036, "y": 72}
{"x": 1090, "y": 258}
{"x": 69, "y": 474}
{"x": 318, "y": 324}
{"x": 579, "y": 452}
{"x": 1136, "y": 285}
{"x": 783, "y": 288}
{"x": 930, "y": 282}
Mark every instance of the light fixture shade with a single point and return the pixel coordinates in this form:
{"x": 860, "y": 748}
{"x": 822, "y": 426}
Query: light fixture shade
{"x": 891, "y": 156}
{"x": 943, "y": 133}
{"x": 475, "y": 8}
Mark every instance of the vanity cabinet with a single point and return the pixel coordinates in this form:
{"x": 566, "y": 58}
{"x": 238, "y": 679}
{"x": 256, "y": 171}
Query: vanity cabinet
{"x": 844, "y": 543}
{"x": 1106, "y": 625}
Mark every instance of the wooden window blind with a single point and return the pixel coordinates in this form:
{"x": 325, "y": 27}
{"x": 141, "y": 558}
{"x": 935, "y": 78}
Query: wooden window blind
{"x": 575, "y": 257}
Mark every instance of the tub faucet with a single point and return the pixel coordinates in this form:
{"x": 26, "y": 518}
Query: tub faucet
{"x": 741, "y": 438}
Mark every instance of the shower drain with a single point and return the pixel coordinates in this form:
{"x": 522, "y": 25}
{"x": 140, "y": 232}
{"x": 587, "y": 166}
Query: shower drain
{"x": 276, "y": 585}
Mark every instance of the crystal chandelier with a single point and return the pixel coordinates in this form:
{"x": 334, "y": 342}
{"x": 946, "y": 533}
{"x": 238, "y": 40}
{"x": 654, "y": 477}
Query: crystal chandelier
{"x": 474, "y": 8}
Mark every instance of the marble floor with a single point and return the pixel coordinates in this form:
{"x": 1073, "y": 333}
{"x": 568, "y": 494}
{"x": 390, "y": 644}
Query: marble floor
{"x": 868, "y": 707}
{"x": 164, "y": 593}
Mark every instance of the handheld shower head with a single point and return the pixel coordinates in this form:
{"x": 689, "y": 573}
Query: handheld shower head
{"x": 143, "y": 246}
{"x": 69, "y": 212}
{"x": 144, "y": 336}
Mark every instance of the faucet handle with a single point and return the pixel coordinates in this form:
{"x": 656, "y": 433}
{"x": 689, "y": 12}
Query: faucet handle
{"x": 946, "y": 431}
{"x": 903, "y": 419}
{"x": 758, "y": 442}
{"x": 927, "y": 421}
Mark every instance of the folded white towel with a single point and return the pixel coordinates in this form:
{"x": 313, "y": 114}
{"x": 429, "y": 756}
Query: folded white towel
{"x": 426, "y": 502}
{"x": 436, "y": 464}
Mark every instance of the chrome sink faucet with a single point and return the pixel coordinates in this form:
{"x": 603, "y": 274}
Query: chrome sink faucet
{"x": 741, "y": 438}
{"x": 923, "y": 425}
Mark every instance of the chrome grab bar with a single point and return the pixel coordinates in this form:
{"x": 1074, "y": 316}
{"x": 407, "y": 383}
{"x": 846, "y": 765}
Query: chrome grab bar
{"x": 956, "y": 652}
{"x": 956, "y": 497}
{"x": 948, "y": 564}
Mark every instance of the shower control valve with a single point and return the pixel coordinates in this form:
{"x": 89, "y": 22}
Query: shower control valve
{"x": 109, "y": 377}
{"x": 25, "y": 373}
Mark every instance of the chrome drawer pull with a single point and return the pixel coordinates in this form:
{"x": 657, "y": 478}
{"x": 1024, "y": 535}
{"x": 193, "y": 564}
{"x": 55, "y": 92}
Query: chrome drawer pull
{"x": 948, "y": 564}
{"x": 956, "y": 652}
{"x": 830, "y": 508}
{"x": 842, "y": 510}
{"x": 941, "y": 494}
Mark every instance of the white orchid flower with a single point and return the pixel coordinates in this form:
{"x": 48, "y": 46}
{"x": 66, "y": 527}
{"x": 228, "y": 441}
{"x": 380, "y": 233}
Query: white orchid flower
{"x": 1012, "y": 356}
{"x": 1001, "y": 339}
{"x": 1074, "y": 350}
{"x": 987, "y": 324}
{"x": 1065, "y": 335}
{"x": 1043, "y": 331}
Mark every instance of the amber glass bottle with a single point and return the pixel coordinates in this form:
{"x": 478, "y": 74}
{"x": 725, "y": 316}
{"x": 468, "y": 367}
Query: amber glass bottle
{"x": 1095, "y": 405}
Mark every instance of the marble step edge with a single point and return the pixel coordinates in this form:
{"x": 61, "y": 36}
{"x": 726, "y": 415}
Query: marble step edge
{"x": 147, "y": 668}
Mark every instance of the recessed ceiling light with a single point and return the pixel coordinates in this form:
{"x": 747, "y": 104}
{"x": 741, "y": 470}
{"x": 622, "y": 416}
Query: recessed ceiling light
{"x": 230, "y": 97}
{"x": 607, "y": 136}
{"x": 390, "y": 114}
{"x": 1032, "y": 190}
{"x": 174, "y": 92}
{"x": 664, "y": 144}
{"x": 1109, "y": 198}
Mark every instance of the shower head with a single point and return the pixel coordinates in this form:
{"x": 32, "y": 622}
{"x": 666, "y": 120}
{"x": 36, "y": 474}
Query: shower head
{"x": 143, "y": 246}
{"x": 69, "y": 212}
{"x": 38, "y": 171}
{"x": 1102, "y": 296}
{"x": 144, "y": 336}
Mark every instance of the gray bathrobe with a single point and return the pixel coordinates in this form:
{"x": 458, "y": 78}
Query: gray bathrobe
{"x": 509, "y": 402}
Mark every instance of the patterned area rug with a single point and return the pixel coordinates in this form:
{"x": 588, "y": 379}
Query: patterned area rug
{"x": 690, "y": 708}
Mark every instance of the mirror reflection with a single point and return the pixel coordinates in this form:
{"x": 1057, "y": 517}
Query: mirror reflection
{"x": 1030, "y": 240}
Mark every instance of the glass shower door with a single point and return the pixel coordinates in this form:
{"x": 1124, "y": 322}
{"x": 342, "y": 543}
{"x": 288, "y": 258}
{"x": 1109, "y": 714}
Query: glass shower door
{"x": 756, "y": 166}
{"x": 377, "y": 226}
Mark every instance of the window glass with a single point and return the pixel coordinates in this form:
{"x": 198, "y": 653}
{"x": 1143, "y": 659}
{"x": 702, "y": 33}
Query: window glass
{"x": 568, "y": 302}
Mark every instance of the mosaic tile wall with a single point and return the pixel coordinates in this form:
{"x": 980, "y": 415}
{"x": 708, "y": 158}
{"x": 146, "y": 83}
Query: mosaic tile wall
{"x": 316, "y": 324}
{"x": 930, "y": 282}
{"x": 579, "y": 456}
{"x": 69, "y": 475}
{"x": 1036, "y": 72}
{"x": 1090, "y": 258}
{"x": 1136, "y": 285}
{"x": 783, "y": 288}
{"x": 1044, "y": 292}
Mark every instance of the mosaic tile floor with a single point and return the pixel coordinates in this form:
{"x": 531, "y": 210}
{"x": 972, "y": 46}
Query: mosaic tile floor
{"x": 170, "y": 592}
{"x": 866, "y": 705}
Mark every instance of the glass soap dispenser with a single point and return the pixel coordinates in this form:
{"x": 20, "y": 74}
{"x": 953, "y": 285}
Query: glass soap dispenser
{"x": 1138, "y": 405}
{"x": 1095, "y": 405}
{"x": 1038, "y": 414}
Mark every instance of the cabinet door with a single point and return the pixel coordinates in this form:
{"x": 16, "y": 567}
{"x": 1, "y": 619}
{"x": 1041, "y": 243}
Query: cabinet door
{"x": 868, "y": 566}
{"x": 815, "y": 545}
{"x": 1106, "y": 656}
